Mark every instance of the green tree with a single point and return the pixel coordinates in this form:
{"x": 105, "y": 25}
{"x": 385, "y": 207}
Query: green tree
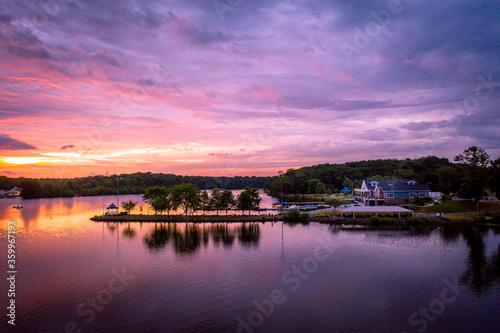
{"x": 256, "y": 199}
{"x": 227, "y": 200}
{"x": 215, "y": 200}
{"x": 159, "y": 204}
{"x": 249, "y": 199}
{"x": 186, "y": 196}
{"x": 275, "y": 187}
{"x": 320, "y": 188}
{"x": 31, "y": 188}
{"x": 311, "y": 185}
{"x": 205, "y": 201}
{"x": 154, "y": 192}
{"x": 476, "y": 160}
{"x": 129, "y": 205}
{"x": 495, "y": 177}
{"x": 405, "y": 174}
{"x": 244, "y": 202}
{"x": 160, "y": 199}
{"x": 447, "y": 176}
{"x": 347, "y": 182}
{"x": 333, "y": 203}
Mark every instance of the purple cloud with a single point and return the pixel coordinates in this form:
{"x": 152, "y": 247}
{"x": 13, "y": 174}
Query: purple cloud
{"x": 271, "y": 78}
{"x": 8, "y": 143}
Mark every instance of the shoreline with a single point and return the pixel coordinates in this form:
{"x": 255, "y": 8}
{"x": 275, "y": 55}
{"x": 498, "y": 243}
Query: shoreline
{"x": 278, "y": 218}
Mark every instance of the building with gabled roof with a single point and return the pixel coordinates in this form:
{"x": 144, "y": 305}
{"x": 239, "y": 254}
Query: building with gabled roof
{"x": 375, "y": 192}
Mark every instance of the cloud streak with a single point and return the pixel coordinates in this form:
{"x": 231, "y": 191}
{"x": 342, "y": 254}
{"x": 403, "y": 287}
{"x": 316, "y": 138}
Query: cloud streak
{"x": 8, "y": 143}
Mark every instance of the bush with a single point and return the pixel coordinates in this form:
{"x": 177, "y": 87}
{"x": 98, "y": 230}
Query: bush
{"x": 304, "y": 216}
{"x": 422, "y": 201}
{"x": 376, "y": 220}
{"x": 291, "y": 215}
{"x": 414, "y": 220}
{"x": 295, "y": 216}
{"x": 480, "y": 219}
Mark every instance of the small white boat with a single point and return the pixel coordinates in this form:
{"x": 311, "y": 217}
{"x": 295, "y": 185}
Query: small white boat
{"x": 17, "y": 206}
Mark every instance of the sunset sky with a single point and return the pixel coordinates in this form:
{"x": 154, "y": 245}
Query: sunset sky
{"x": 243, "y": 87}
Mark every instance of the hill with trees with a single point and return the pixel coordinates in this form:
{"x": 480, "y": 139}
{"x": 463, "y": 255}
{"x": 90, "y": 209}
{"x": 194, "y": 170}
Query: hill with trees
{"x": 135, "y": 183}
{"x": 439, "y": 173}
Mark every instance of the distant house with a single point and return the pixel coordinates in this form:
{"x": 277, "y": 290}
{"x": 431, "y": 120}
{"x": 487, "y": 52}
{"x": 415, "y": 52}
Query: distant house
{"x": 435, "y": 195}
{"x": 390, "y": 191}
{"x": 15, "y": 192}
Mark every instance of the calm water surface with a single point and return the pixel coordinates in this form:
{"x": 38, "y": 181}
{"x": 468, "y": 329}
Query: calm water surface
{"x": 252, "y": 277}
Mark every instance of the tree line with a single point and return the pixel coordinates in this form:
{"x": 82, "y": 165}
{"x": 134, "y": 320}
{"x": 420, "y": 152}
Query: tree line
{"x": 439, "y": 173}
{"x": 135, "y": 183}
{"x": 473, "y": 176}
{"x": 189, "y": 198}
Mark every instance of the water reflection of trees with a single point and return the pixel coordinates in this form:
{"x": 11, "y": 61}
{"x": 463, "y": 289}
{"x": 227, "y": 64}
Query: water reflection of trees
{"x": 294, "y": 224}
{"x": 450, "y": 234}
{"x": 158, "y": 238}
{"x": 129, "y": 232}
{"x": 188, "y": 238}
{"x": 112, "y": 227}
{"x": 222, "y": 233}
{"x": 187, "y": 241}
{"x": 249, "y": 234}
{"x": 483, "y": 270}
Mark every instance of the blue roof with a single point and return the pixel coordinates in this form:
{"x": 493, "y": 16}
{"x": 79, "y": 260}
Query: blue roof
{"x": 112, "y": 206}
{"x": 346, "y": 189}
{"x": 396, "y": 185}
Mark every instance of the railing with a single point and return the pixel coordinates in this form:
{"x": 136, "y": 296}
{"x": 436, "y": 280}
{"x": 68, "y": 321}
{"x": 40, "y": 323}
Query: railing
{"x": 324, "y": 210}
{"x": 371, "y": 197}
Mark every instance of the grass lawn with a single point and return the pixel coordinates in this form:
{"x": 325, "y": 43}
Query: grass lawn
{"x": 459, "y": 206}
{"x": 472, "y": 217}
{"x": 467, "y": 217}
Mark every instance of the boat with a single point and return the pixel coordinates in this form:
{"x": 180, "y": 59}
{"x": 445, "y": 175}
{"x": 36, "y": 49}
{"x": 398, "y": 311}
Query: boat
{"x": 17, "y": 206}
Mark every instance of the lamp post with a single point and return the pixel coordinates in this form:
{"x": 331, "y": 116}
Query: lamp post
{"x": 352, "y": 184}
{"x": 103, "y": 202}
{"x": 280, "y": 173}
{"x": 118, "y": 194}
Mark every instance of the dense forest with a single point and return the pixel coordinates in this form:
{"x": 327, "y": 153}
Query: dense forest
{"x": 129, "y": 184}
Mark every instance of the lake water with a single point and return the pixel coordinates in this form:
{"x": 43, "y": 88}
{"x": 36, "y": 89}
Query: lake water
{"x": 74, "y": 274}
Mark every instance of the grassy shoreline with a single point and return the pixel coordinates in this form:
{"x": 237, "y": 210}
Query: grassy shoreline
{"x": 458, "y": 206}
{"x": 278, "y": 218}
{"x": 183, "y": 218}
